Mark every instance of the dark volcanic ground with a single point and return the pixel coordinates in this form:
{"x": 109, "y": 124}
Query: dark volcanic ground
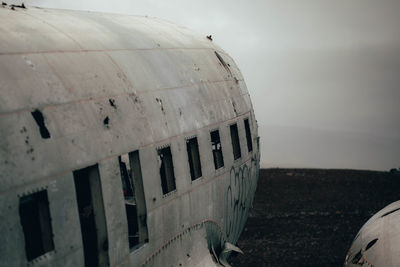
{"x": 309, "y": 217}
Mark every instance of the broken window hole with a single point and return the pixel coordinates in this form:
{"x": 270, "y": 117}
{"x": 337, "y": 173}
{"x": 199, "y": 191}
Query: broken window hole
{"x": 126, "y": 179}
{"x": 39, "y": 119}
{"x": 390, "y": 212}
{"x": 370, "y": 244}
{"x": 91, "y": 215}
{"x": 192, "y": 147}
{"x": 36, "y": 224}
{"x": 248, "y": 135}
{"x": 166, "y": 170}
{"x": 217, "y": 149}
{"x": 135, "y": 205}
{"x": 235, "y": 141}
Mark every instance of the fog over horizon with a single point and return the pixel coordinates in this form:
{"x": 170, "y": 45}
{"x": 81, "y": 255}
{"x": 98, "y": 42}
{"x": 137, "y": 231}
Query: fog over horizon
{"x": 324, "y": 76}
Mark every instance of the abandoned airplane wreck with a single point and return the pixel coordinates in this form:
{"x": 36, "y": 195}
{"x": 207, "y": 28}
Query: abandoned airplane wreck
{"x": 125, "y": 141}
{"x": 377, "y": 242}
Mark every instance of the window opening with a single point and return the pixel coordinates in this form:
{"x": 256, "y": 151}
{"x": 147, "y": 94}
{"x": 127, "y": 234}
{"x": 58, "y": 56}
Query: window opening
{"x": 194, "y": 158}
{"x": 36, "y": 224}
{"x": 248, "y": 135}
{"x": 235, "y": 141}
{"x": 166, "y": 170}
{"x": 135, "y": 205}
{"x": 126, "y": 176}
{"x": 217, "y": 149}
{"x": 91, "y": 216}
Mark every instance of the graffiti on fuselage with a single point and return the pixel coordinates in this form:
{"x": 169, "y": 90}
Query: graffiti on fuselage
{"x": 239, "y": 197}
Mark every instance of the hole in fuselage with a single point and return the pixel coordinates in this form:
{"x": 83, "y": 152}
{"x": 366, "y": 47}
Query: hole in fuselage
{"x": 112, "y": 103}
{"x": 370, "y": 244}
{"x": 106, "y": 121}
{"x": 217, "y": 149}
{"x": 36, "y": 224}
{"x": 166, "y": 170}
{"x": 357, "y": 258}
{"x": 235, "y": 141}
{"x": 192, "y": 147}
{"x": 39, "y": 119}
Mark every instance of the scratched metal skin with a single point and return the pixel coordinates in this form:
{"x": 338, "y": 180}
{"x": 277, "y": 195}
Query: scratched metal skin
{"x": 107, "y": 85}
{"x": 378, "y": 241}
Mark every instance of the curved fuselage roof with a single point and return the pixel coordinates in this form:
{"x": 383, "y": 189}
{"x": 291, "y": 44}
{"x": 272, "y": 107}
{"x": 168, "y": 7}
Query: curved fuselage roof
{"x": 69, "y": 64}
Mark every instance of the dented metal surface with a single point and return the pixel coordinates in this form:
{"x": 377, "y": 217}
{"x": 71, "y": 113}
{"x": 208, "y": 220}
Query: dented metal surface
{"x": 80, "y": 89}
{"x": 378, "y": 241}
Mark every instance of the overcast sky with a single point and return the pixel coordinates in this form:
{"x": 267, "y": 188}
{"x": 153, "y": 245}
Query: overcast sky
{"x": 323, "y": 75}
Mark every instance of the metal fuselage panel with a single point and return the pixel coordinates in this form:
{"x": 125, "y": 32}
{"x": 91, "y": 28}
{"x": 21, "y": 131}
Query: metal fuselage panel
{"x": 107, "y": 85}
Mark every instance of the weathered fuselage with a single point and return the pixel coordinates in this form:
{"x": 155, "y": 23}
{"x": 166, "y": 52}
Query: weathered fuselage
{"x": 124, "y": 141}
{"x": 378, "y": 241}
